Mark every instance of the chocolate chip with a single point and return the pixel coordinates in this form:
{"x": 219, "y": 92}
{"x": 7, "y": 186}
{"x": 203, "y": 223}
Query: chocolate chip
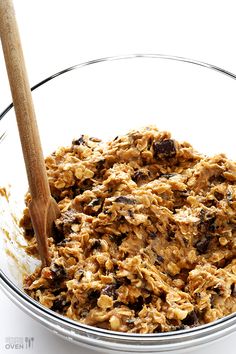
{"x": 178, "y": 328}
{"x": 191, "y": 319}
{"x": 118, "y": 239}
{"x": 63, "y": 242}
{"x": 28, "y": 233}
{"x": 159, "y": 259}
{"x": 233, "y": 290}
{"x": 152, "y": 235}
{"x": 57, "y": 291}
{"x": 86, "y": 185}
{"x": 125, "y": 200}
{"x": 168, "y": 175}
{"x": 75, "y": 190}
{"x": 63, "y": 225}
{"x": 57, "y": 305}
{"x": 211, "y": 203}
{"x": 211, "y": 226}
{"x": 57, "y": 234}
{"x": 94, "y": 207}
{"x": 60, "y": 304}
{"x": 100, "y": 164}
{"x": 219, "y": 196}
{"x": 202, "y": 215}
{"x": 157, "y": 329}
{"x": 110, "y": 290}
{"x": 148, "y": 299}
{"x": 107, "y": 212}
{"x": 218, "y": 290}
{"x": 137, "y": 305}
{"x": 149, "y": 144}
{"x": 58, "y": 272}
{"x": 79, "y": 274}
{"x": 79, "y": 141}
{"x": 207, "y": 221}
{"x": 202, "y": 245}
{"x": 131, "y": 214}
{"x": 216, "y": 179}
{"x": 139, "y": 176}
{"x": 93, "y": 294}
{"x": 212, "y": 300}
{"x": 170, "y": 235}
{"x": 121, "y": 219}
{"x": 118, "y": 304}
{"x": 162, "y": 296}
{"x": 229, "y": 196}
{"x": 94, "y": 202}
{"x": 95, "y": 245}
{"x": 164, "y": 149}
{"x": 122, "y": 281}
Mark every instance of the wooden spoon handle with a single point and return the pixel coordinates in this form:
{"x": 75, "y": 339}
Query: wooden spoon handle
{"x": 23, "y": 103}
{"x": 43, "y": 208}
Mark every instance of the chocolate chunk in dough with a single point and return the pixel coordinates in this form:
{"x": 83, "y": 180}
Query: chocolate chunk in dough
{"x": 191, "y": 319}
{"x": 57, "y": 234}
{"x": 95, "y": 245}
{"x": 60, "y": 304}
{"x": 219, "y": 196}
{"x": 58, "y": 271}
{"x": 125, "y": 200}
{"x": 164, "y": 149}
{"x": 152, "y": 235}
{"x": 79, "y": 141}
{"x": 202, "y": 245}
{"x": 110, "y": 290}
{"x": 168, "y": 175}
{"x": 159, "y": 259}
{"x": 94, "y": 202}
{"x": 118, "y": 238}
{"x": 138, "y": 305}
{"x": 139, "y": 176}
{"x": 93, "y": 294}
{"x": 233, "y": 290}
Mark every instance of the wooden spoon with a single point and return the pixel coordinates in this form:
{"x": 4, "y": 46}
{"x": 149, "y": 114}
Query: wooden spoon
{"x": 43, "y": 208}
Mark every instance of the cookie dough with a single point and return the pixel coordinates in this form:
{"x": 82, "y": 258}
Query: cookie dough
{"x": 146, "y": 238}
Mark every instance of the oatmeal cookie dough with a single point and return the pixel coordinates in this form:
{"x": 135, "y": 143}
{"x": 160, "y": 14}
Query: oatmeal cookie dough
{"x": 146, "y": 238}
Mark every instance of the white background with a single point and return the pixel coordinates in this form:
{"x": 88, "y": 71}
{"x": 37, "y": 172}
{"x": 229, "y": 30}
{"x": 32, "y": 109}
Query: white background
{"x": 59, "y": 33}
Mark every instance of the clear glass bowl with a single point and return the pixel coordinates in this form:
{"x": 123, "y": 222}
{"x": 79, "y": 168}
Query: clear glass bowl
{"x": 105, "y": 98}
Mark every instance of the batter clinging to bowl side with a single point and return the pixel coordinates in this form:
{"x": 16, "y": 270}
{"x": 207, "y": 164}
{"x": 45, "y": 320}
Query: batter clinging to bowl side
{"x": 146, "y": 238}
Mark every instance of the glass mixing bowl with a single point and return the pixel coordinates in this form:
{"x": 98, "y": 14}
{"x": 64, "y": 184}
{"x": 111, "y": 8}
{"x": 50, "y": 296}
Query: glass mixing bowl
{"x": 105, "y": 98}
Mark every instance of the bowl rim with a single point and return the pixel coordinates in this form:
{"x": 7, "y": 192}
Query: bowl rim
{"x": 129, "y": 56}
{"x": 7, "y": 285}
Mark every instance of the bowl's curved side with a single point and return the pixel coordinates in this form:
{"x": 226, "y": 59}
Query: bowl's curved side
{"x": 120, "y": 57}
